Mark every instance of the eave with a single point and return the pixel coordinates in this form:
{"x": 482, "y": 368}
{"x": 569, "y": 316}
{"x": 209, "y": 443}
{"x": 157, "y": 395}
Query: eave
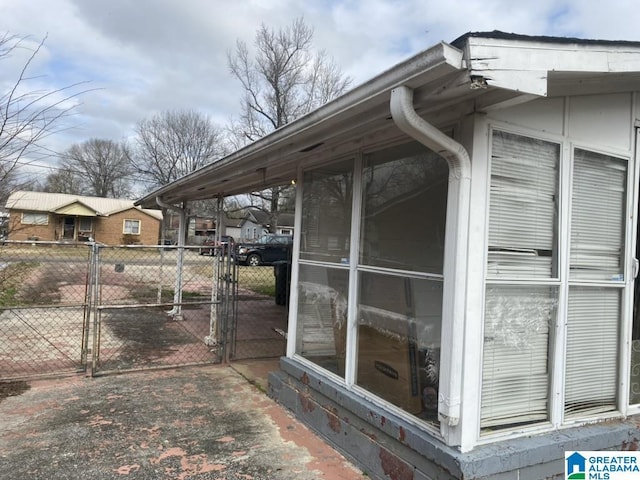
{"x": 273, "y": 160}
{"x": 482, "y": 72}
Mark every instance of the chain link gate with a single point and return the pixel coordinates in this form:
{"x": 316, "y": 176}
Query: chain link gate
{"x": 152, "y": 306}
{"x": 45, "y": 293}
{"x": 155, "y": 306}
{"x": 255, "y": 321}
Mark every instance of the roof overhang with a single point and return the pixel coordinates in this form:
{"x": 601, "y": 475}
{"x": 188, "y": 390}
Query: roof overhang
{"x": 273, "y": 160}
{"x": 477, "y": 72}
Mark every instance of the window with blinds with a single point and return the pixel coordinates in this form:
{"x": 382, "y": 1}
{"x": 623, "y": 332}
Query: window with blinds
{"x": 524, "y": 282}
{"x": 523, "y": 209}
{"x": 598, "y": 205}
{"x": 597, "y": 216}
{"x": 515, "y": 371}
{"x": 592, "y": 351}
{"x": 522, "y": 249}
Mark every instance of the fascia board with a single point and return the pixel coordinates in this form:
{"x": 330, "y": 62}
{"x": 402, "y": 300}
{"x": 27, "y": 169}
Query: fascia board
{"x": 524, "y": 66}
{"x": 436, "y": 62}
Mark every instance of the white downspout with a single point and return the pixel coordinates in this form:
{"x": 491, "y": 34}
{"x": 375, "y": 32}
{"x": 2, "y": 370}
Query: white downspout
{"x": 455, "y": 256}
{"x": 176, "y": 311}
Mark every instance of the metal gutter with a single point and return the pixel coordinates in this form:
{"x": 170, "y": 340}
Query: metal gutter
{"x": 456, "y": 241}
{"x": 429, "y": 65}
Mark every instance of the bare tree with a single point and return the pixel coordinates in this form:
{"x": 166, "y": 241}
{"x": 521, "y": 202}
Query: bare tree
{"x": 96, "y": 167}
{"x": 64, "y": 180}
{"x": 173, "y": 144}
{"x": 27, "y": 116}
{"x": 284, "y": 80}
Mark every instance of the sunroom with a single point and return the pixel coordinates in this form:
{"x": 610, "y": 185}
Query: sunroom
{"x": 463, "y": 300}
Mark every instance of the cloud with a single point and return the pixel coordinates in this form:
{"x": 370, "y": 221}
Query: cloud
{"x": 147, "y": 56}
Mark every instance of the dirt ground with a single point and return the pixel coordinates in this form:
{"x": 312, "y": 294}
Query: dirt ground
{"x": 205, "y": 422}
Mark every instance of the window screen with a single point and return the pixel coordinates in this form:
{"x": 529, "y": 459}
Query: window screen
{"x": 326, "y": 214}
{"x": 404, "y": 209}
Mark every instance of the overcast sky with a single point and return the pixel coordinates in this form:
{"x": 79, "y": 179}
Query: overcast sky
{"x": 147, "y": 56}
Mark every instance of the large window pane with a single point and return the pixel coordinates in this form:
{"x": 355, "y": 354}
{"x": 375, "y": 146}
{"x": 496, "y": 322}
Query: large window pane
{"x": 592, "y": 351}
{"x": 326, "y": 213}
{"x": 399, "y": 326}
{"x": 404, "y": 209}
{"x": 597, "y": 216}
{"x": 523, "y": 207}
{"x": 322, "y": 316}
{"x": 515, "y": 369}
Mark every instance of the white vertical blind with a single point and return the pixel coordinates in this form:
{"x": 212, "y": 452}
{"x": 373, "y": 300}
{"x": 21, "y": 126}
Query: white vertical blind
{"x": 523, "y": 206}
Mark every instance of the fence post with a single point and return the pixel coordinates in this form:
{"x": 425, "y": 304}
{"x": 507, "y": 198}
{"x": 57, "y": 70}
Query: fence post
{"x": 95, "y": 268}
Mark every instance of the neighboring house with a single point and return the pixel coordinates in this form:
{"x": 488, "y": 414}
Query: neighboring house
{"x": 254, "y": 223}
{"x": 198, "y": 229}
{"x": 63, "y": 217}
{"x": 463, "y": 293}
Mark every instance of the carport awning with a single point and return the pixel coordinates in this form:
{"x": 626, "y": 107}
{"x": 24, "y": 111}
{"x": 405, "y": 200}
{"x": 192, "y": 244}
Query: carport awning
{"x": 274, "y": 159}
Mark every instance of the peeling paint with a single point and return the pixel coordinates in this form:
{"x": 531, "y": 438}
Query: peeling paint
{"x": 393, "y": 467}
{"x": 371, "y": 435}
{"x": 306, "y": 402}
{"x": 334, "y": 420}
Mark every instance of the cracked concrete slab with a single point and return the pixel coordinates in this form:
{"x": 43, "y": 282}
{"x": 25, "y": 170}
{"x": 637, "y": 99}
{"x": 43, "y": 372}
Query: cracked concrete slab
{"x": 190, "y": 423}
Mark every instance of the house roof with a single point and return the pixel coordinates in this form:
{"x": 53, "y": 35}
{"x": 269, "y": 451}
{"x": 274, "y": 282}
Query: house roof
{"x": 477, "y": 72}
{"x": 285, "y": 219}
{"x": 72, "y": 204}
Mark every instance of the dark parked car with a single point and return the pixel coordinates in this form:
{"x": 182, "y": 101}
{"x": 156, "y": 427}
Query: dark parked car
{"x": 266, "y": 250}
{"x": 208, "y": 246}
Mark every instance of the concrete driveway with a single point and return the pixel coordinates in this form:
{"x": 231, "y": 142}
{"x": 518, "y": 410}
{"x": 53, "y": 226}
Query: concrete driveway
{"x": 205, "y": 422}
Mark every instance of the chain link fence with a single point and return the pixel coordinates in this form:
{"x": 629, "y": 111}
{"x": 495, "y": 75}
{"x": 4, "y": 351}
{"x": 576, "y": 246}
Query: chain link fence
{"x": 44, "y": 308}
{"x": 258, "y": 326}
{"x": 64, "y": 307}
{"x": 155, "y": 307}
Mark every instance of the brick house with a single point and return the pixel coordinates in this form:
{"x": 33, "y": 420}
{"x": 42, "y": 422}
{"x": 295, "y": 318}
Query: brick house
{"x": 63, "y": 217}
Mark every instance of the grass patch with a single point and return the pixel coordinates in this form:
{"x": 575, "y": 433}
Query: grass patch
{"x": 11, "y": 279}
{"x": 257, "y": 279}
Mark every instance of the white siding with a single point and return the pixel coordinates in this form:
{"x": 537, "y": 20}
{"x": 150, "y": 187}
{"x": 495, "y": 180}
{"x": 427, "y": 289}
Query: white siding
{"x": 544, "y": 114}
{"x": 601, "y": 120}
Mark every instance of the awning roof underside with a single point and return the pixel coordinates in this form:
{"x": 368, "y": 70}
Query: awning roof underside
{"x": 448, "y": 82}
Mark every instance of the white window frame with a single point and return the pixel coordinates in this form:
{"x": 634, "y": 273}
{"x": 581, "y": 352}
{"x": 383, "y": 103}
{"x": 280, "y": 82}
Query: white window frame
{"x": 625, "y": 368}
{"x": 558, "y": 334}
{"x": 467, "y": 433}
{"x": 132, "y": 220}
{"x": 354, "y": 269}
{"x": 34, "y": 218}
